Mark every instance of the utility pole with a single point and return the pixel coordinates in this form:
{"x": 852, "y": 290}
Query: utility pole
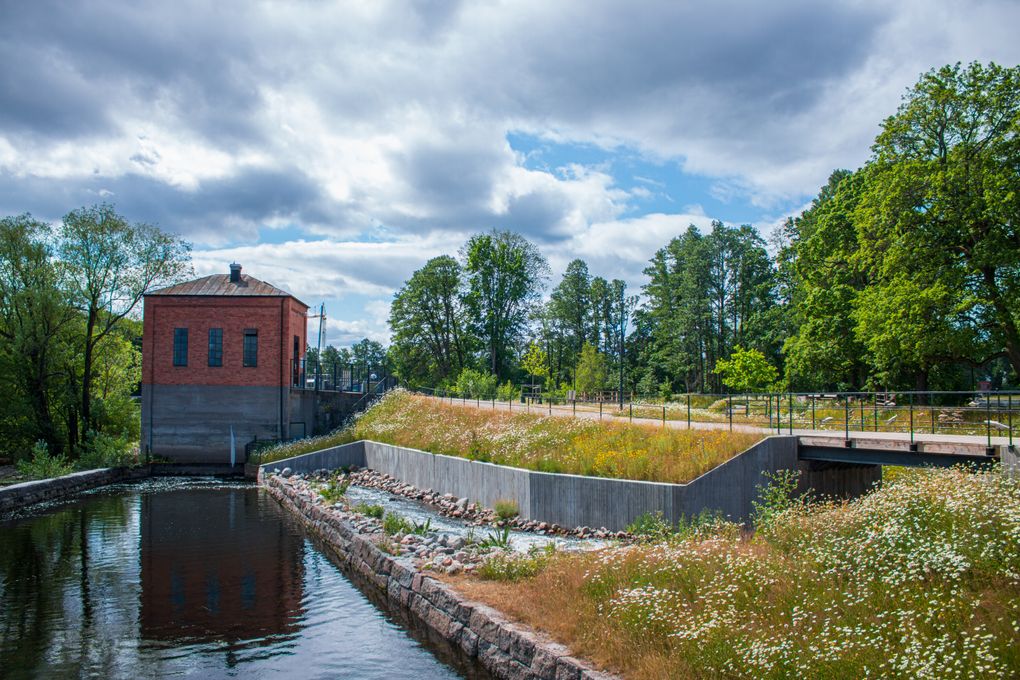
{"x": 623, "y": 330}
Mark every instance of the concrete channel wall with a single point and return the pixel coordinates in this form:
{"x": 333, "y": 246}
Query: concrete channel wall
{"x": 573, "y": 500}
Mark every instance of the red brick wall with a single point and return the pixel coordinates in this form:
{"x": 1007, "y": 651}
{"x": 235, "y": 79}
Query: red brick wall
{"x": 233, "y": 314}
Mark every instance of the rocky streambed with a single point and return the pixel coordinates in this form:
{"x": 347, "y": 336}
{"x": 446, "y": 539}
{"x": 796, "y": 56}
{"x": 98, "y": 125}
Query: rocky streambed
{"x": 438, "y": 532}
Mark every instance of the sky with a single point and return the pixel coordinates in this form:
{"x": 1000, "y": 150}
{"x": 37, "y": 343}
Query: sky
{"x": 332, "y": 148}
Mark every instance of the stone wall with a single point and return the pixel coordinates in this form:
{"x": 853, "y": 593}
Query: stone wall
{"x": 18, "y": 496}
{"x": 505, "y": 649}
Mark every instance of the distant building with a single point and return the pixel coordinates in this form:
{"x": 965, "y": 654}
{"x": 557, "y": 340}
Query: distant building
{"x": 220, "y": 354}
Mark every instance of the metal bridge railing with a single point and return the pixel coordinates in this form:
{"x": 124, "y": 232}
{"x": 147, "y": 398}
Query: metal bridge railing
{"x": 988, "y": 414}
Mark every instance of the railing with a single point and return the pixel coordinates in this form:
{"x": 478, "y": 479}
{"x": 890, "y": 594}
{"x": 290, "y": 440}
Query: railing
{"x": 989, "y": 415}
{"x": 309, "y": 375}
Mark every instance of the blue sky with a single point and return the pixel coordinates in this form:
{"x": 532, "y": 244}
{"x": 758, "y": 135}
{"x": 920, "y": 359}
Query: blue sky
{"x": 333, "y": 147}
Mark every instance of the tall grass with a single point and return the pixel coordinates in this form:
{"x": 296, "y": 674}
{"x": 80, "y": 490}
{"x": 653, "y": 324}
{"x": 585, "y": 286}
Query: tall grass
{"x": 920, "y": 579}
{"x": 550, "y": 444}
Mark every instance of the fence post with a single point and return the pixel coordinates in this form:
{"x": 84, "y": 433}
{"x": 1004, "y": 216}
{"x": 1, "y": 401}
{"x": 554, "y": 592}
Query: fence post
{"x": 729, "y": 402}
{"x": 688, "y": 410}
{"x": 1009, "y": 422}
{"x": 988, "y": 418}
{"x": 911, "y": 418}
{"x": 876, "y": 411}
{"x": 664, "y": 415}
{"x": 812, "y": 412}
{"x": 846, "y": 417}
{"x": 791, "y": 412}
{"x": 549, "y": 401}
{"x": 931, "y": 408}
{"x": 632, "y": 410}
{"x": 600, "y": 410}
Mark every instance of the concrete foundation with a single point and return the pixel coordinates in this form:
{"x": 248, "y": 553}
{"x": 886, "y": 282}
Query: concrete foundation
{"x": 573, "y": 500}
{"x": 192, "y": 423}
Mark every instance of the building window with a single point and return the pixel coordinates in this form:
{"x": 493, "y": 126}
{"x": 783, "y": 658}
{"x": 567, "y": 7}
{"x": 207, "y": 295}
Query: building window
{"x": 180, "y": 347}
{"x": 251, "y": 347}
{"x": 215, "y": 346}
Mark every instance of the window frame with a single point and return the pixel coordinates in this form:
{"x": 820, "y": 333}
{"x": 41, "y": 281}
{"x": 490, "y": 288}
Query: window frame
{"x": 250, "y": 352}
{"x": 215, "y": 356}
{"x": 180, "y": 347}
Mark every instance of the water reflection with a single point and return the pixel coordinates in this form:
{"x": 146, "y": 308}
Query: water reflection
{"x": 192, "y": 579}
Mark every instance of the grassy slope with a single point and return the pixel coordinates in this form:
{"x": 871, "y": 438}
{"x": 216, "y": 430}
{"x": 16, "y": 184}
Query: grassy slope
{"x": 551, "y": 444}
{"x": 919, "y": 579}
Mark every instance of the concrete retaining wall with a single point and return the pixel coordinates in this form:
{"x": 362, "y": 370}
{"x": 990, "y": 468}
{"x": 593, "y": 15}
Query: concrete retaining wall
{"x": 573, "y": 500}
{"x": 18, "y": 496}
{"x": 507, "y": 650}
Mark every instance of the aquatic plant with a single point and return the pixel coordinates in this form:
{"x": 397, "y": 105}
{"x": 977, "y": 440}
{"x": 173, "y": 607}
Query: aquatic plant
{"x": 394, "y": 523}
{"x": 335, "y": 489}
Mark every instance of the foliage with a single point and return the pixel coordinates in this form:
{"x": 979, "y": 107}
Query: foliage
{"x": 375, "y": 511}
{"x": 102, "y": 450}
{"x": 747, "y": 370}
{"x": 775, "y": 498}
{"x": 590, "y": 376}
{"x": 42, "y": 465}
{"x": 507, "y": 392}
{"x": 394, "y": 523}
{"x": 506, "y": 509}
{"x": 505, "y": 274}
{"x": 650, "y": 526}
{"x": 535, "y": 362}
{"x": 500, "y": 538}
{"x": 428, "y": 321}
{"x": 918, "y": 579}
{"x": 335, "y": 489}
{"x": 474, "y": 384}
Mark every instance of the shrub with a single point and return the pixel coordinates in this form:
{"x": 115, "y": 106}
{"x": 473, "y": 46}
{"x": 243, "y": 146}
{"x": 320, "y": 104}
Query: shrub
{"x": 775, "y": 497}
{"x": 367, "y": 510}
{"x": 506, "y": 509}
{"x": 497, "y": 539}
{"x": 42, "y": 465}
{"x": 101, "y": 450}
{"x": 651, "y": 526}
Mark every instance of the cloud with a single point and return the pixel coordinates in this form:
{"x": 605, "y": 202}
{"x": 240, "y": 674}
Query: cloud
{"x": 379, "y": 130}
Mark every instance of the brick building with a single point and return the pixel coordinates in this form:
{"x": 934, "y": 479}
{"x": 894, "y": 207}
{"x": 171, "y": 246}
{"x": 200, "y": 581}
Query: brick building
{"x": 219, "y": 354}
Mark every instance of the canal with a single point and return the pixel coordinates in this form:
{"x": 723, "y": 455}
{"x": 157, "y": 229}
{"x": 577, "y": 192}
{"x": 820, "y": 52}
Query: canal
{"x": 202, "y": 578}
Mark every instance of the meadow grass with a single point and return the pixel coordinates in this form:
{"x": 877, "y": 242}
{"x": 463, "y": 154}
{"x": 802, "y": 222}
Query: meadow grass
{"x": 534, "y": 442}
{"x": 919, "y": 579}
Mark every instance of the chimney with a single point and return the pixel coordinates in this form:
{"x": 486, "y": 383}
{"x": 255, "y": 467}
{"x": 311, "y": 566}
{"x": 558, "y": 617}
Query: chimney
{"x": 235, "y": 273}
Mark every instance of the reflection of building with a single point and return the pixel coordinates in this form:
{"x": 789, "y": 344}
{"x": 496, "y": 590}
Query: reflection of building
{"x": 219, "y": 355}
{"x": 213, "y": 569}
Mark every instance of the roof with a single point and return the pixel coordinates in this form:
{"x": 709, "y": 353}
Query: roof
{"x": 220, "y": 284}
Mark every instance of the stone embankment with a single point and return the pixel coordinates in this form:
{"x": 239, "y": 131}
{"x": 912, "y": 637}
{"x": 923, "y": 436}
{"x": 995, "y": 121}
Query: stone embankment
{"x": 18, "y": 496}
{"x": 504, "y": 648}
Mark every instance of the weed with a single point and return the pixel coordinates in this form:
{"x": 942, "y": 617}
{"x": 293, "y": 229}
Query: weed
{"x": 421, "y": 528}
{"x": 394, "y": 523}
{"x": 335, "y": 489}
{"x": 776, "y": 497}
{"x": 650, "y": 526}
{"x": 367, "y": 510}
{"x": 496, "y": 539}
{"x": 506, "y": 509}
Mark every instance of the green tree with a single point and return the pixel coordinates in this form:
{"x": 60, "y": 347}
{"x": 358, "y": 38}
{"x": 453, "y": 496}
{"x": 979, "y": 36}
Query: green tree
{"x": 824, "y": 282}
{"x": 505, "y": 277}
{"x": 591, "y": 374}
{"x": 535, "y": 362}
{"x": 940, "y": 222}
{"x": 110, "y": 264}
{"x": 35, "y": 325}
{"x": 370, "y": 353}
{"x": 428, "y": 321}
{"x": 747, "y": 370}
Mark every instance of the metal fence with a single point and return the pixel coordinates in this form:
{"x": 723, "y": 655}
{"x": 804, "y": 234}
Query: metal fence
{"x": 978, "y": 414}
{"x": 359, "y": 378}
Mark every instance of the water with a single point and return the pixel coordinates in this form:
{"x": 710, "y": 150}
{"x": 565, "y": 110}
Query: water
{"x": 192, "y": 578}
{"x": 419, "y": 512}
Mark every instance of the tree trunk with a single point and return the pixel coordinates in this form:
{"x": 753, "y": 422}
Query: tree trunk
{"x": 86, "y": 376}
